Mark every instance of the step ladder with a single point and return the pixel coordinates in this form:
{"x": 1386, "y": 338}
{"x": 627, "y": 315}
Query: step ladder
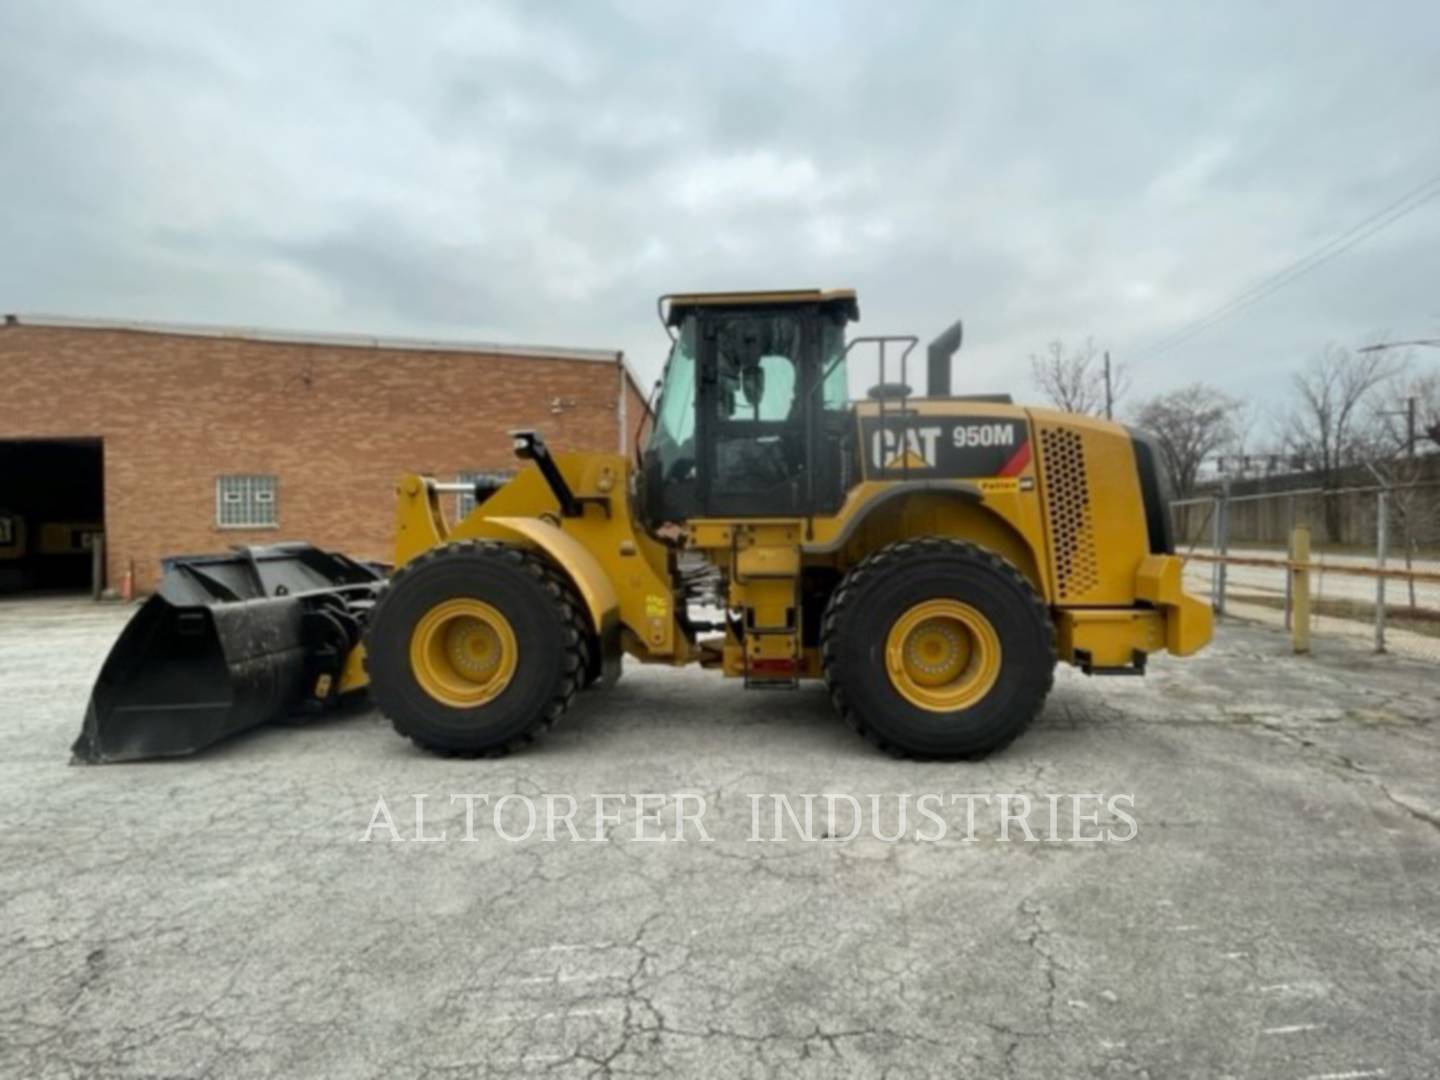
{"x": 765, "y": 585}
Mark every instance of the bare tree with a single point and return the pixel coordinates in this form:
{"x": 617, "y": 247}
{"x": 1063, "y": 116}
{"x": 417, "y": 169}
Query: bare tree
{"x": 1247, "y": 421}
{"x": 1191, "y": 424}
{"x": 1333, "y": 425}
{"x": 1073, "y": 379}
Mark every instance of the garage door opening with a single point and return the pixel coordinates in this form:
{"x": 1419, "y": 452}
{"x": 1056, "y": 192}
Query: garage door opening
{"x": 52, "y": 515}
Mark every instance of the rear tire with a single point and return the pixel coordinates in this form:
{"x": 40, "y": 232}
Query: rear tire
{"x": 524, "y": 623}
{"x": 937, "y": 648}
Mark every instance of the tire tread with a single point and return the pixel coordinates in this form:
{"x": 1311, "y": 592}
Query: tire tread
{"x": 842, "y": 602}
{"x": 568, "y": 607}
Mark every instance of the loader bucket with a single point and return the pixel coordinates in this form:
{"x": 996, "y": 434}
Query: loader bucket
{"x": 227, "y": 643}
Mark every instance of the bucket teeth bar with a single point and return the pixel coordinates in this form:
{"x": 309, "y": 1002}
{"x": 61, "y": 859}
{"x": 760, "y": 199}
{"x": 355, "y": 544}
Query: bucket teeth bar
{"x": 227, "y": 643}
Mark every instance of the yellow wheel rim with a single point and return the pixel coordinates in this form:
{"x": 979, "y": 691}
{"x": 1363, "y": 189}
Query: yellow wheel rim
{"x": 463, "y": 653}
{"x": 942, "y": 655}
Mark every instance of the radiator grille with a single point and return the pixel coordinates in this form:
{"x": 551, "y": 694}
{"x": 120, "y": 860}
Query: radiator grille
{"x": 1068, "y": 497}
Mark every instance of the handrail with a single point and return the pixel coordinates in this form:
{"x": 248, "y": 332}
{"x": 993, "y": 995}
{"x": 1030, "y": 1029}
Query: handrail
{"x": 874, "y": 339}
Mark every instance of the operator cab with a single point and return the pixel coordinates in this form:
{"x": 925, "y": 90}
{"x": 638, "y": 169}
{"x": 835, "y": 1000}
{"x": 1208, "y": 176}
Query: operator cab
{"x": 753, "y": 418}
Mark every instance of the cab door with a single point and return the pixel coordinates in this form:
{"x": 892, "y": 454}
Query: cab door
{"x": 753, "y": 425}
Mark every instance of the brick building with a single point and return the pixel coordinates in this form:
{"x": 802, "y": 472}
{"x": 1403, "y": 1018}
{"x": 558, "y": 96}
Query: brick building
{"x": 182, "y": 439}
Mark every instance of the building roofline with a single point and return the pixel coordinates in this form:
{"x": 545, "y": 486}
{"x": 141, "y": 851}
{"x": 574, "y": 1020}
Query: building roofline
{"x": 300, "y": 337}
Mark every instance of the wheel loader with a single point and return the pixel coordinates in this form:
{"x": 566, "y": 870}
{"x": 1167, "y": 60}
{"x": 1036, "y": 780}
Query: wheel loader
{"x": 929, "y": 557}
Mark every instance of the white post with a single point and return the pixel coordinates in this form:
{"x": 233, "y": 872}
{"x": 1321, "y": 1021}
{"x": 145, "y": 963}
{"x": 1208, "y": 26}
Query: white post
{"x": 1382, "y": 508}
{"x": 1221, "y": 545}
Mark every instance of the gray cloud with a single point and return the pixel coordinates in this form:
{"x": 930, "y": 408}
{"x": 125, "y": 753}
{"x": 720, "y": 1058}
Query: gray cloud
{"x": 539, "y": 173}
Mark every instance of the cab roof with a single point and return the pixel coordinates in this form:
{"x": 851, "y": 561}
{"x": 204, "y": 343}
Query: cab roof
{"x": 681, "y": 303}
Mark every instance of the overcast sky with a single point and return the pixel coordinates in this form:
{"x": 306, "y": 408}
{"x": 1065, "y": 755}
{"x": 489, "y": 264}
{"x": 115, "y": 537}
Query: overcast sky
{"x": 537, "y": 173}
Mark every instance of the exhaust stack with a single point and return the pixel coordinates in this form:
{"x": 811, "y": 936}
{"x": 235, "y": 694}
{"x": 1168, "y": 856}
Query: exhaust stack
{"x": 940, "y": 352}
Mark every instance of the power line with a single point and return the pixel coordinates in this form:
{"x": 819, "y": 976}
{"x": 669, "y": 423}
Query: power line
{"x": 1337, "y": 245}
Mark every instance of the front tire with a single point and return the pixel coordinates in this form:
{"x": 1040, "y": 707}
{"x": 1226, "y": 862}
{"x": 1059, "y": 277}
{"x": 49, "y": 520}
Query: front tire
{"x": 475, "y": 648}
{"x": 937, "y": 648}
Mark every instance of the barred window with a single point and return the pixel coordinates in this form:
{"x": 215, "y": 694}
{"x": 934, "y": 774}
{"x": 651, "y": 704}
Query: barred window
{"x": 465, "y": 501}
{"x": 246, "y": 502}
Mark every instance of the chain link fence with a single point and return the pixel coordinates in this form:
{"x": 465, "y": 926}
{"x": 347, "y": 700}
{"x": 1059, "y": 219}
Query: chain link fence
{"x": 1374, "y": 564}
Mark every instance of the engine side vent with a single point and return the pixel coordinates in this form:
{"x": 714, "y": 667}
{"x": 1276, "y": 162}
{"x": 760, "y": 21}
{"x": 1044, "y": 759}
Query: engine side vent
{"x": 1067, "y": 496}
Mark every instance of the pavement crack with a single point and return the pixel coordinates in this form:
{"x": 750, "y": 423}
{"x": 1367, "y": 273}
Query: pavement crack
{"x": 1346, "y": 767}
{"x": 1419, "y": 813}
{"x": 1038, "y": 938}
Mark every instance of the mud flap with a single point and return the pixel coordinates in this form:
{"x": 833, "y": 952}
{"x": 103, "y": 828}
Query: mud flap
{"x": 227, "y": 643}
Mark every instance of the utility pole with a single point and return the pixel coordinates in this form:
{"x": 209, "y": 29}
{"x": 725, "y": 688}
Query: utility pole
{"x": 1429, "y": 343}
{"x": 1409, "y": 413}
{"x": 1109, "y": 398}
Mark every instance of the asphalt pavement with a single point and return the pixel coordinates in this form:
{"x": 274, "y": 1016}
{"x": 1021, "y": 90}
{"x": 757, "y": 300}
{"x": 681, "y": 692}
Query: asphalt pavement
{"x": 1234, "y": 872}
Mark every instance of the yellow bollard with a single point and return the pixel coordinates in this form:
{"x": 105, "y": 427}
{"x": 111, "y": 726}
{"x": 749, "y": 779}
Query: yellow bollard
{"x": 1300, "y": 592}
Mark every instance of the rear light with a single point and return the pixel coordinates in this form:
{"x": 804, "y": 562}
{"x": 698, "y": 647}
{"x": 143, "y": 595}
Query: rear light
{"x": 779, "y": 665}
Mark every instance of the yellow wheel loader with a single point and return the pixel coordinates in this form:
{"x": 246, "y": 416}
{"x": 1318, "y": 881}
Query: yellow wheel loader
{"x": 930, "y": 558}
